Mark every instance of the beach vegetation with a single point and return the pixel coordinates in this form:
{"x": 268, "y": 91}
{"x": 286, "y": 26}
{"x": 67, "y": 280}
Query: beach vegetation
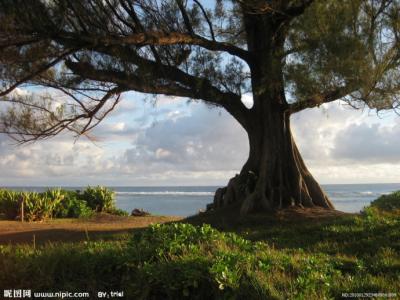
{"x": 58, "y": 203}
{"x": 99, "y": 198}
{"x": 293, "y": 259}
{"x": 388, "y": 202}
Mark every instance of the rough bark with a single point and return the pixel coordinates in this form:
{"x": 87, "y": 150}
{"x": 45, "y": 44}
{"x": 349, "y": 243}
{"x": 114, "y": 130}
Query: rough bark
{"x": 275, "y": 175}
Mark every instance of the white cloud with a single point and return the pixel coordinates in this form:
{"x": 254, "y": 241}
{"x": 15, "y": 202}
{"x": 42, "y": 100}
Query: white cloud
{"x": 247, "y": 100}
{"x": 162, "y": 153}
{"x": 173, "y": 143}
{"x": 342, "y": 145}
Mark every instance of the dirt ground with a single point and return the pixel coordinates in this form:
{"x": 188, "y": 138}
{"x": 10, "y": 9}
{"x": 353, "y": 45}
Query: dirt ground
{"x": 107, "y": 226}
{"x": 102, "y": 226}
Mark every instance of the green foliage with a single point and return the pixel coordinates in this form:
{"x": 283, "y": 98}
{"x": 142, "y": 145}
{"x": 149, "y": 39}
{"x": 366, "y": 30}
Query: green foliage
{"x": 72, "y": 206}
{"x": 99, "y": 198}
{"x": 58, "y": 203}
{"x": 40, "y": 206}
{"x": 182, "y": 261}
{"x": 9, "y": 203}
{"x": 315, "y": 260}
{"x": 388, "y": 202}
{"x": 62, "y": 265}
{"x": 355, "y": 53}
{"x": 118, "y": 212}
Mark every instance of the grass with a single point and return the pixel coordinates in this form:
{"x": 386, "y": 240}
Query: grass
{"x": 290, "y": 255}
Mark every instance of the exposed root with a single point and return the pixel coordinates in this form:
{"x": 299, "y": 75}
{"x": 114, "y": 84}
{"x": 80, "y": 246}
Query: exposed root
{"x": 274, "y": 177}
{"x": 251, "y": 194}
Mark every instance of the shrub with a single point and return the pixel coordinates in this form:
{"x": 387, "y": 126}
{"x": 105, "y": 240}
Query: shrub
{"x": 100, "y": 199}
{"x": 388, "y": 202}
{"x": 9, "y": 204}
{"x": 71, "y": 206}
{"x": 58, "y": 203}
{"x": 41, "y": 206}
{"x": 118, "y": 212}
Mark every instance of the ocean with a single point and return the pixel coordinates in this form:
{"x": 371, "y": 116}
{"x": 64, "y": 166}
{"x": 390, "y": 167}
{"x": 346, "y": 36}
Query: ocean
{"x": 188, "y": 200}
{"x": 185, "y": 201}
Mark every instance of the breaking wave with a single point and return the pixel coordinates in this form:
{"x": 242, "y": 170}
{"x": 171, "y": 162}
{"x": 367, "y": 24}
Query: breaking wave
{"x": 168, "y": 193}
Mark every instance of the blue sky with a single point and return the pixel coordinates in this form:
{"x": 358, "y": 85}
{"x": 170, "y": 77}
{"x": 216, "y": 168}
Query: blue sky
{"x": 173, "y": 142}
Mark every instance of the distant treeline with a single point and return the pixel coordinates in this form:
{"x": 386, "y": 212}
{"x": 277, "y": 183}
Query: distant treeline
{"x": 57, "y": 203}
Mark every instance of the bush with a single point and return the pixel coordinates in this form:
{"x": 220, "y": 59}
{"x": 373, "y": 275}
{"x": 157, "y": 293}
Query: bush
{"x": 388, "y": 202}
{"x": 118, "y": 212}
{"x": 71, "y": 206}
{"x": 99, "y": 199}
{"x": 40, "y": 206}
{"x": 9, "y": 204}
{"x": 58, "y": 203}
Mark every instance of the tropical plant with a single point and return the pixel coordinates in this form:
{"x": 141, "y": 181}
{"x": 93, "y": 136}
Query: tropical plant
{"x": 118, "y": 212}
{"x": 58, "y": 203}
{"x": 40, "y": 206}
{"x": 99, "y": 198}
{"x": 10, "y": 203}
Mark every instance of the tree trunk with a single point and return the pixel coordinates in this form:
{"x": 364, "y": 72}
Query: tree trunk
{"x": 274, "y": 175}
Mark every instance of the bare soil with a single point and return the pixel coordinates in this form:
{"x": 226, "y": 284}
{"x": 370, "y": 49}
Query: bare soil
{"x": 230, "y": 220}
{"x": 100, "y": 227}
{"x": 104, "y": 226}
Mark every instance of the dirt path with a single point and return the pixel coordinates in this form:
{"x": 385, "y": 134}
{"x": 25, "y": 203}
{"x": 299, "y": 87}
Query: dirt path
{"x": 107, "y": 226}
{"x": 103, "y": 226}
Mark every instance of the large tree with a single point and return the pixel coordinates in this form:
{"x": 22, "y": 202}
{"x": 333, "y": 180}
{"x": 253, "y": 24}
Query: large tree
{"x": 290, "y": 54}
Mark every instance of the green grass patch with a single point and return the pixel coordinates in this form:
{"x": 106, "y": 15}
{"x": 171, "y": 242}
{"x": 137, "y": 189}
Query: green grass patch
{"x": 317, "y": 259}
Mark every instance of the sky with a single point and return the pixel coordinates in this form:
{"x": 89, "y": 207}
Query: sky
{"x": 173, "y": 142}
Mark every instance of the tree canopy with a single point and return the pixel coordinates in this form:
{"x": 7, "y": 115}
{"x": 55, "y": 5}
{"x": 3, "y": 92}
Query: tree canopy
{"x": 94, "y": 50}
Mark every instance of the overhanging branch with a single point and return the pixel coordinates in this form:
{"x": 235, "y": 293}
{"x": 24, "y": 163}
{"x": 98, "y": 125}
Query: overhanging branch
{"x": 179, "y": 84}
{"x": 319, "y": 99}
{"x": 156, "y": 38}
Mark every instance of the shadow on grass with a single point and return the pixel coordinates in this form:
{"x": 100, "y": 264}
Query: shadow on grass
{"x": 40, "y": 237}
{"x": 101, "y": 227}
{"x": 314, "y": 231}
{"x": 331, "y": 232}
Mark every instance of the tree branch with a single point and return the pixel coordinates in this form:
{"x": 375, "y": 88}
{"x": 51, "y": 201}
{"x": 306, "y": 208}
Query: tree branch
{"x": 179, "y": 84}
{"x": 55, "y": 124}
{"x": 37, "y": 72}
{"x": 129, "y": 81}
{"x": 207, "y": 19}
{"x": 297, "y": 10}
{"x": 156, "y": 38}
{"x": 185, "y": 17}
{"x": 318, "y": 99}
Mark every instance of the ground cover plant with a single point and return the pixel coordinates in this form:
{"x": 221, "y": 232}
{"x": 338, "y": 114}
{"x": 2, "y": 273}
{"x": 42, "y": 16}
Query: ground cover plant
{"x": 354, "y": 253}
